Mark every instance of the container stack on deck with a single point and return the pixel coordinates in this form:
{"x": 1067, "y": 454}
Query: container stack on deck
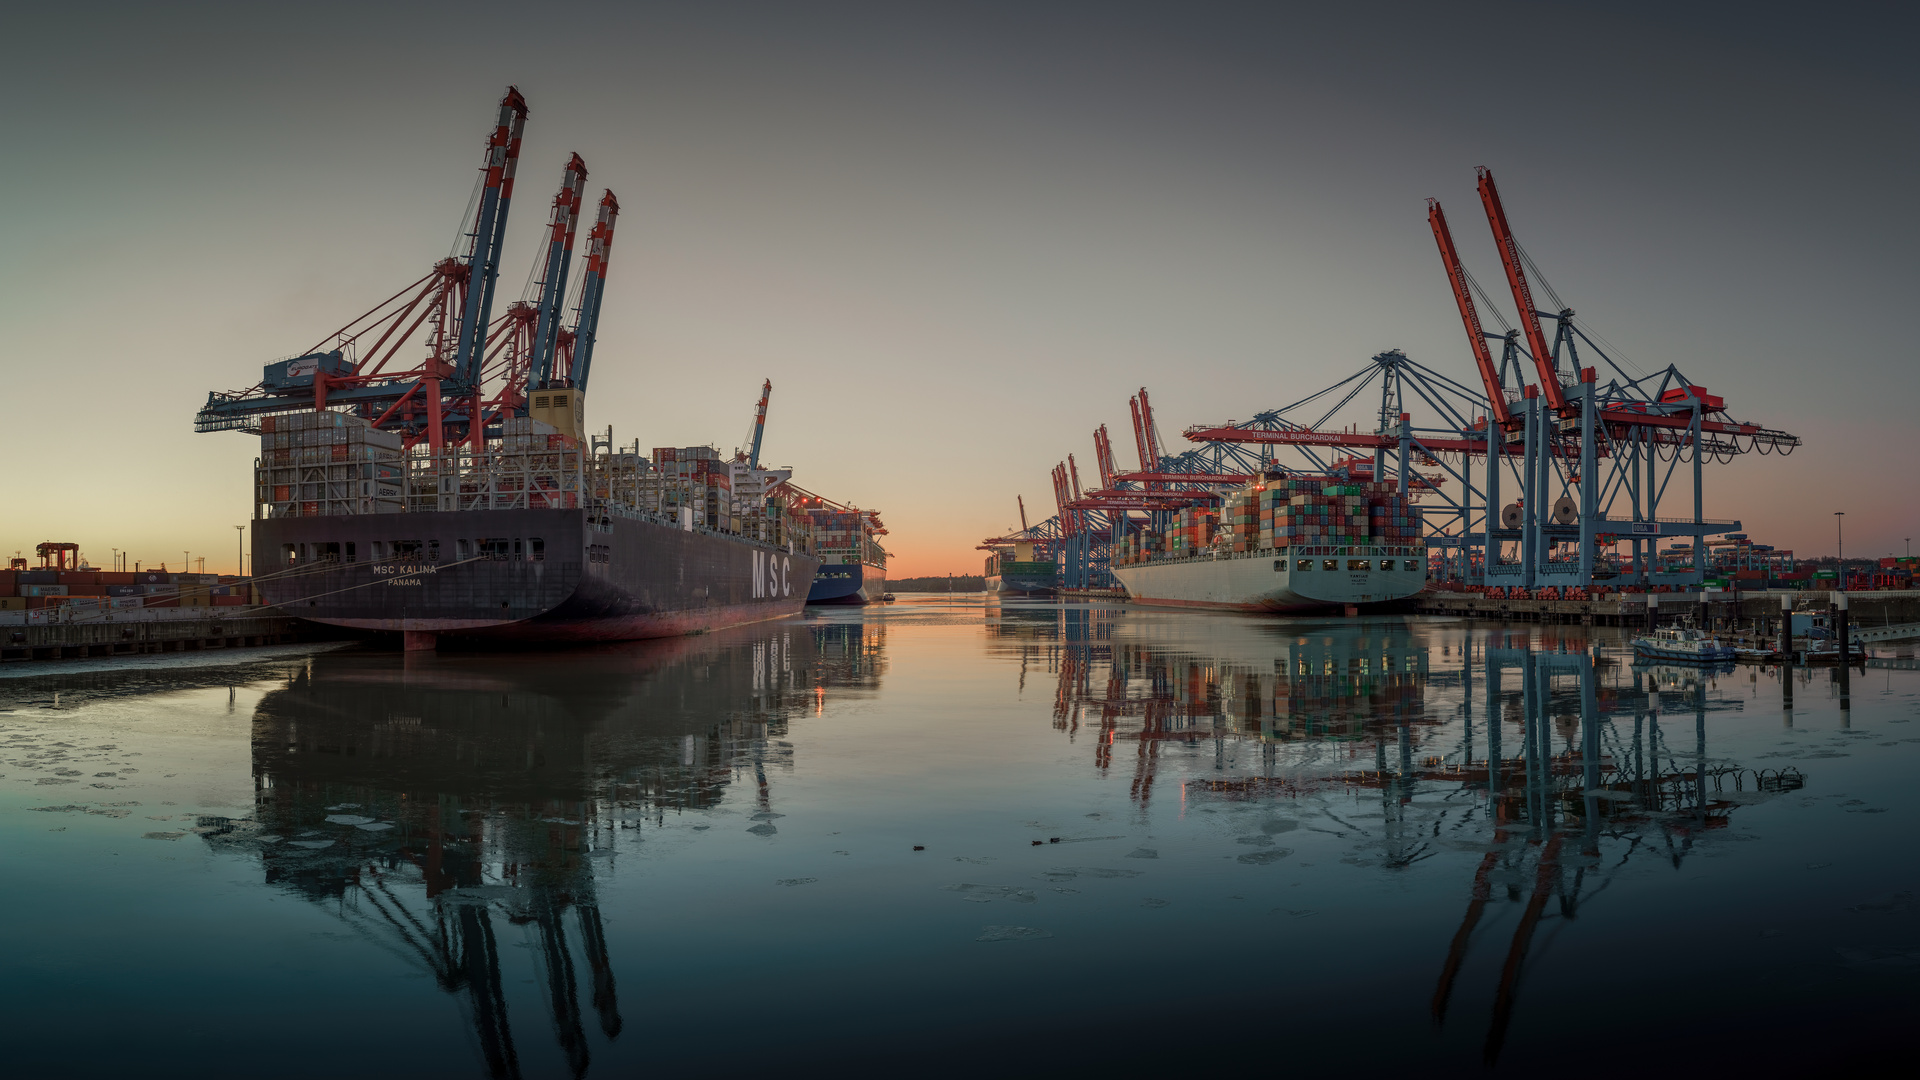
{"x": 317, "y": 464}
{"x": 847, "y": 534}
{"x": 1284, "y": 514}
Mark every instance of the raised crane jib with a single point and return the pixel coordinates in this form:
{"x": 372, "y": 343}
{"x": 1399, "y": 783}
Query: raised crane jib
{"x": 1469, "y": 316}
{"x": 1522, "y": 292}
{"x": 759, "y": 425}
{"x": 586, "y": 320}
{"x": 561, "y": 229}
{"x": 489, "y": 229}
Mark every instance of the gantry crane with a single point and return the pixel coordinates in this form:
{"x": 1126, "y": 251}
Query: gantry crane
{"x": 444, "y": 399}
{"x": 1586, "y": 456}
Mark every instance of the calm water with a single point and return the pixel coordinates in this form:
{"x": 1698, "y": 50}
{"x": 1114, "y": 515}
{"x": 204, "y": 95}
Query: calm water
{"x": 949, "y": 837}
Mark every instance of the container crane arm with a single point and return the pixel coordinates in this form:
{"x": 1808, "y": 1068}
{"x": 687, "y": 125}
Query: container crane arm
{"x": 759, "y": 425}
{"x": 1140, "y": 436}
{"x": 1522, "y": 292}
{"x": 1103, "y": 456}
{"x": 489, "y": 230}
{"x": 587, "y": 316}
{"x": 1463, "y": 296}
{"x": 553, "y": 281}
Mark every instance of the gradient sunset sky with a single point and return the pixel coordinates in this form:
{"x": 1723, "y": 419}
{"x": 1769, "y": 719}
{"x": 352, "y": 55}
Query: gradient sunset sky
{"x": 957, "y": 237}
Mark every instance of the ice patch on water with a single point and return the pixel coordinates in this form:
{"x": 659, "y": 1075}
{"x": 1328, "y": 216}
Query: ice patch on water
{"x": 1154, "y": 902}
{"x": 1012, "y": 933}
{"x": 1143, "y": 853}
{"x": 982, "y": 894}
{"x": 796, "y": 881}
{"x": 162, "y": 835}
{"x": 763, "y": 829}
{"x": 374, "y": 826}
{"x": 1061, "y": 873}
{"x": 348, "y": 819}
{"x": 311, "y": 845}
{"x": 1880, "y": 958}
{"x": 1262, "y": 858}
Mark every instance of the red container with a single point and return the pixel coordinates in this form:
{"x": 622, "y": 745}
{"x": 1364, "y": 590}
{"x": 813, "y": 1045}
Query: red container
{"x": 79, "y": 577}
{"x": 87, "y": 590}
{"x": 229, "y": 601}
{"x": 111, "y": 577}
{"x": 9, "y": 583}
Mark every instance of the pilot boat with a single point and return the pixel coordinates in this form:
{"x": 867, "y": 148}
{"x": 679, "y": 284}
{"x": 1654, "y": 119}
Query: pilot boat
{"x": 1683, "y": 643}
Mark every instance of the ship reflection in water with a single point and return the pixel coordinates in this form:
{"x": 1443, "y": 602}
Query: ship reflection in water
{"x": 950, "y": 836}
{"x": 1565, "y": 766}
{"x": 424, "y": 801}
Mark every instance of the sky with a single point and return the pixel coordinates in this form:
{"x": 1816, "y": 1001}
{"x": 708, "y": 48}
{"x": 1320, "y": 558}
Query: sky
{"x": 957, "y": 237}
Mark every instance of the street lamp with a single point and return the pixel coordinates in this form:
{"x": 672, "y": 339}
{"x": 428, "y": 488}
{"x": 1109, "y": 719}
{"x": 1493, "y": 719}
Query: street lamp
{"x": 1840, "y": 533}
{"x": 239, "y": 551}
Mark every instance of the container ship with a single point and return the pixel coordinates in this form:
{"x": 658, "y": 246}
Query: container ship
{"x": 1294, "y": 544}
{"x": 461, "y": 495}
{"x": 853, "y": 565}
{"x": 1019, "y": 568}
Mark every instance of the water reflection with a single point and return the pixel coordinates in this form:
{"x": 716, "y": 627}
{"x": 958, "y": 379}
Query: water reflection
{"x": 1559, "y": 761}
{"x": 423, "y": 804}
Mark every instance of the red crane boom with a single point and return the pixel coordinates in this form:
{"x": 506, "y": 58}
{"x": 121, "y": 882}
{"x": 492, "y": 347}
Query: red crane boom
{"x": 1463, "y": 296}
{"x": 1522, "y": 292}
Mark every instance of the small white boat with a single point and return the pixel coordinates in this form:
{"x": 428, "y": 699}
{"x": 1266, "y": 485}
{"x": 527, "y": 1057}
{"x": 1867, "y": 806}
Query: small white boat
{"x": 1684, "y": 643}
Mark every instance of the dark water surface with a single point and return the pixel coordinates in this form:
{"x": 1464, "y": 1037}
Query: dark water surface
{"x": 1151, "y": 840}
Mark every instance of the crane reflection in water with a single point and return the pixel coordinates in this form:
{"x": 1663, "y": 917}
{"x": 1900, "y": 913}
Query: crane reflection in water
{"x": 424, "y": 802}
{"x": 1560, "y": 760}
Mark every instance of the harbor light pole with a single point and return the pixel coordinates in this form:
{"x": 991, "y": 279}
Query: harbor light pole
{"x": 1840, "y": 535}
{"x": 239, "y": 551}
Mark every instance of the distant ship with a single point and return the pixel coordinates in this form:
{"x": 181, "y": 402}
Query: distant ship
{"x": 853, "y": 565}
{"x": 1017, "y": 570}
{"x": 1285, "y": 545}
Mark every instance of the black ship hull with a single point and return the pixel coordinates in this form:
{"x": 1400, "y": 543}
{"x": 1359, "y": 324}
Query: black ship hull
{"x": 848, "y": 583}
{"x": 522, "y": 575}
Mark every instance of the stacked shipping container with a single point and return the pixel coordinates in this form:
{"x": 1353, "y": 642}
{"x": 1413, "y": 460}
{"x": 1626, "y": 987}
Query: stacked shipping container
{"x": 118, "y": 590}
{"x": 322, "y": 463}
{"x": 1283, "y": 514}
